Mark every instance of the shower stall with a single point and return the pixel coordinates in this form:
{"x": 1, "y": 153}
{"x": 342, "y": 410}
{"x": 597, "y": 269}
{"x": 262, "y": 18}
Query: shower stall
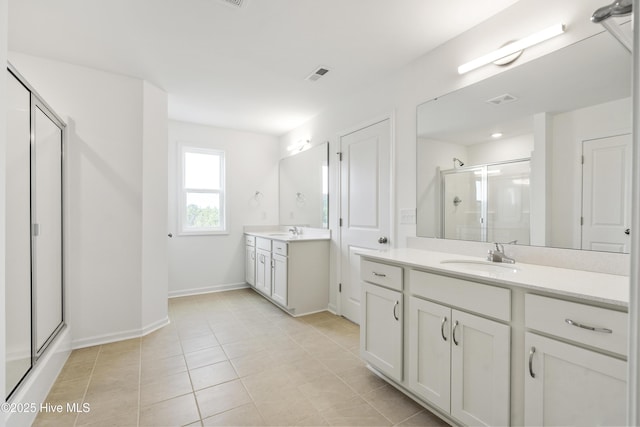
{"x": 487, "y": 203}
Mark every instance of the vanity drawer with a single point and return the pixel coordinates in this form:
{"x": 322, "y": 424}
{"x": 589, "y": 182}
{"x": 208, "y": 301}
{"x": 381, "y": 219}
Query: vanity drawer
{"x": 279, "y": 247}
{"x": 389, "y": 276}
{"x": 483, "y": 299}
{"x": 264, "y": 244}
{"x": 553, "y": 316}
{"x": 250, "y": 240}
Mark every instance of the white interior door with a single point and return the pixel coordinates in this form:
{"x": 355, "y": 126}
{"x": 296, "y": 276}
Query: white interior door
{"x": 365, "y": 205}
{"x": 606, "y": 193}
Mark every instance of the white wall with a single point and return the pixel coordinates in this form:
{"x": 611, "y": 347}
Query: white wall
{"x": 434, "y": 75}
{"x": 103, "y": 194}
{"x": 209, "y": 263}
{"x": 155, "y": 137}
{"x": 4, "y": 32}
{"x": 568, "y": 131}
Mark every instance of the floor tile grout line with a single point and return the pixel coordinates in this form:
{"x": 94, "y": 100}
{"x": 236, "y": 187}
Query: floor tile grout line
{"x": 86, "y": 389}
{"x": 139, "y": 383}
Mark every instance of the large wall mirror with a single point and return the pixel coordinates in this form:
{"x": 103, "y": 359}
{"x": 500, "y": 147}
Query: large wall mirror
{"x": 538, "y": 155}
{"x": 304, "y": 188}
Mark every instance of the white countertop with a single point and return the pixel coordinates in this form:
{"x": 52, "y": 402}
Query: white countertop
{"x": 596, "y": 287}
{"x": 285, "y": 236}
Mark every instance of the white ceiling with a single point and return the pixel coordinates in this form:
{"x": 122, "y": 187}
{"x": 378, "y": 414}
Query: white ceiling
{"x": 244, "y": 68}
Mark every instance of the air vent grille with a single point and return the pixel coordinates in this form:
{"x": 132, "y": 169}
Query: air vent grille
{"x": 236, "y": 3}
{"x": 319, "y": 72}
{"x": 502, "y": 99}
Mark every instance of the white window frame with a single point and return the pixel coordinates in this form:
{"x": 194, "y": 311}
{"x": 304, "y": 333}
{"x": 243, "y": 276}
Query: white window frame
{"x": 183, "y": 191}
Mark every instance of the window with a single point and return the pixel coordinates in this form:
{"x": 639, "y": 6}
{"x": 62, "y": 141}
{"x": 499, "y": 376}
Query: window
{"x": 202, "y": 198}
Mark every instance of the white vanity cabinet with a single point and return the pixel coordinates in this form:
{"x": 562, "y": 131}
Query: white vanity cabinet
{"x": 279, "y": 273}
{"x": 250, "y": 260}
{"x": 381, "y": 330}
{"x": 263, "y": 266}
{"x": 573, "y": 379}
{"x": 292, "y": 272}
{"x": 458, "y": 361}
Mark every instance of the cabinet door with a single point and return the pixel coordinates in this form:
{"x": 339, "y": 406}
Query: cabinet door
{"x": 572, "y": 386}
{"x": 480, "y": 371}
{"x": 430, "y": 352}
{"x": 250, "y": 265}
{"x": 279, "y": 279}
{"x": 381, "y": 331}
{"x": 263, "y": 271}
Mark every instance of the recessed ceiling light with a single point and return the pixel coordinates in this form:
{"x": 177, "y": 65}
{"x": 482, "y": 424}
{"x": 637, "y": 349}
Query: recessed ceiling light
{"x": 496, "y": 135}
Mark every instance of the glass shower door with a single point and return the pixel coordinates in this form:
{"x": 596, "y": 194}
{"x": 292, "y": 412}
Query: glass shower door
{"x": 18, "y": 231}
{"x": 508, "y": 202}
{"x": 463, "y": 204}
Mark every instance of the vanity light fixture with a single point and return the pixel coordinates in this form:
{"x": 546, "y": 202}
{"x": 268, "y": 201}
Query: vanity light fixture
{"x": 299, "y": 146}
{"x": 512, "y": 48}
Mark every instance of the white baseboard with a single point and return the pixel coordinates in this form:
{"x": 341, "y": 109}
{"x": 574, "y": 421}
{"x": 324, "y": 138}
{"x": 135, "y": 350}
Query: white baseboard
{"x": 207, "y": 290}
{"x": 120, "y": 336}
{"x": 38, "y": 383}
{"x": 332, "y": 309}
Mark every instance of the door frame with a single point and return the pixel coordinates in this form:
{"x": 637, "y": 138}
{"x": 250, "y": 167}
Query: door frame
{"x": 577, "y": 180}
{"x": 391, "y": 116}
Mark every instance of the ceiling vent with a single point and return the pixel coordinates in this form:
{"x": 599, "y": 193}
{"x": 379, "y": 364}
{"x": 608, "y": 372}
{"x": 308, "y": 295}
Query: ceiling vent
{"x": 234, "y": 3}
{"x": 502, "y": 99}
{"x": 319, "y": 72}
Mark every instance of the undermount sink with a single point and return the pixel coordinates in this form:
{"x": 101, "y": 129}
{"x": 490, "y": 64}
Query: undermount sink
{"x": 482, "y": 266}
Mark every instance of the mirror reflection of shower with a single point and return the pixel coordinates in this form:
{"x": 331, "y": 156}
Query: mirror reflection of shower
{"x": 457, "y": 161}
{"x": 498, "y": 202}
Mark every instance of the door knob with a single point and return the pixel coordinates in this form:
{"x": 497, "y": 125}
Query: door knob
{"x": 382, "y": 240}
{"x": 170, "y": 235}
{"x": 627, "y": 231}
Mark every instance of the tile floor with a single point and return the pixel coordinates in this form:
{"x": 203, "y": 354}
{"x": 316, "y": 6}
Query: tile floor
{"x": 231, "y": 359}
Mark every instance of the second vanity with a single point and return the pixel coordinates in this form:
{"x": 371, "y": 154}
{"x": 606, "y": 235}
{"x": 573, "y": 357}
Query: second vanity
{"x": 289, "y": 269}
{"x": 485, "y": 343}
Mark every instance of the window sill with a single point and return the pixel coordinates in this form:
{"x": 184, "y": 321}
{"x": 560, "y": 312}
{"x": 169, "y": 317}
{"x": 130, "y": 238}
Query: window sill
{"x": 202, "y": 233}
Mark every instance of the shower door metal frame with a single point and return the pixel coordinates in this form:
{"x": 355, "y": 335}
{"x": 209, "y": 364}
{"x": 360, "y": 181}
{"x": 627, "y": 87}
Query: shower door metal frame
{"x": 37, "y": 102}
{"x": 485, "y": 191}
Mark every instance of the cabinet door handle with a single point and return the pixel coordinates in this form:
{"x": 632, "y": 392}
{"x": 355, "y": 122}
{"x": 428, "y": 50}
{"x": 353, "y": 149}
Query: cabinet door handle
{"x": 531, "y": 353}
{"x": 453, "y": 332}
{"x": 379, "y": 274}
{"x": 395, "y": 316}
{"x": 590, "y": 328}
{"x": 261, "y": 259}
{"x": 444, "y": 320}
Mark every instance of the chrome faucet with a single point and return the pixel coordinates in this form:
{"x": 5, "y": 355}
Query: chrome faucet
{"x": 294, "y": 230}
{"x": 498, "y": 254}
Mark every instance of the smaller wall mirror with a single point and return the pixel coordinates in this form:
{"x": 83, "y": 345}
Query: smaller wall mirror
{"x": 304, "y": 188}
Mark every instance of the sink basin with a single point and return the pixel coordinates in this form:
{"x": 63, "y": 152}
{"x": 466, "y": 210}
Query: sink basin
{"x": 482, "y": 266}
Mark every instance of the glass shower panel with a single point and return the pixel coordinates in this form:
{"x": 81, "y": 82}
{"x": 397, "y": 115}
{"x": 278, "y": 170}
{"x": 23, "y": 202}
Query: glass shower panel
{"x": 463, "y": 204}
{"x": 18, "y": 231}
{"x": 508, "y": 202}
{"x": 47, "y": 218}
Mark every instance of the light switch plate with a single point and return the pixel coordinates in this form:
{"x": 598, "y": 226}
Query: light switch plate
{"x": 407, "y": 216}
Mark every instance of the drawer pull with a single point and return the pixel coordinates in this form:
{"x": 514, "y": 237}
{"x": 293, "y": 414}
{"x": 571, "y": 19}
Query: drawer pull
{"x": 444, "y": 320}
{"x": 453, "y": 332}
{"x": 379, "y": 274}
{"x": 531, "y": 353}
{"x": 395, "y": 316}
{"x": 590, "y": 328}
